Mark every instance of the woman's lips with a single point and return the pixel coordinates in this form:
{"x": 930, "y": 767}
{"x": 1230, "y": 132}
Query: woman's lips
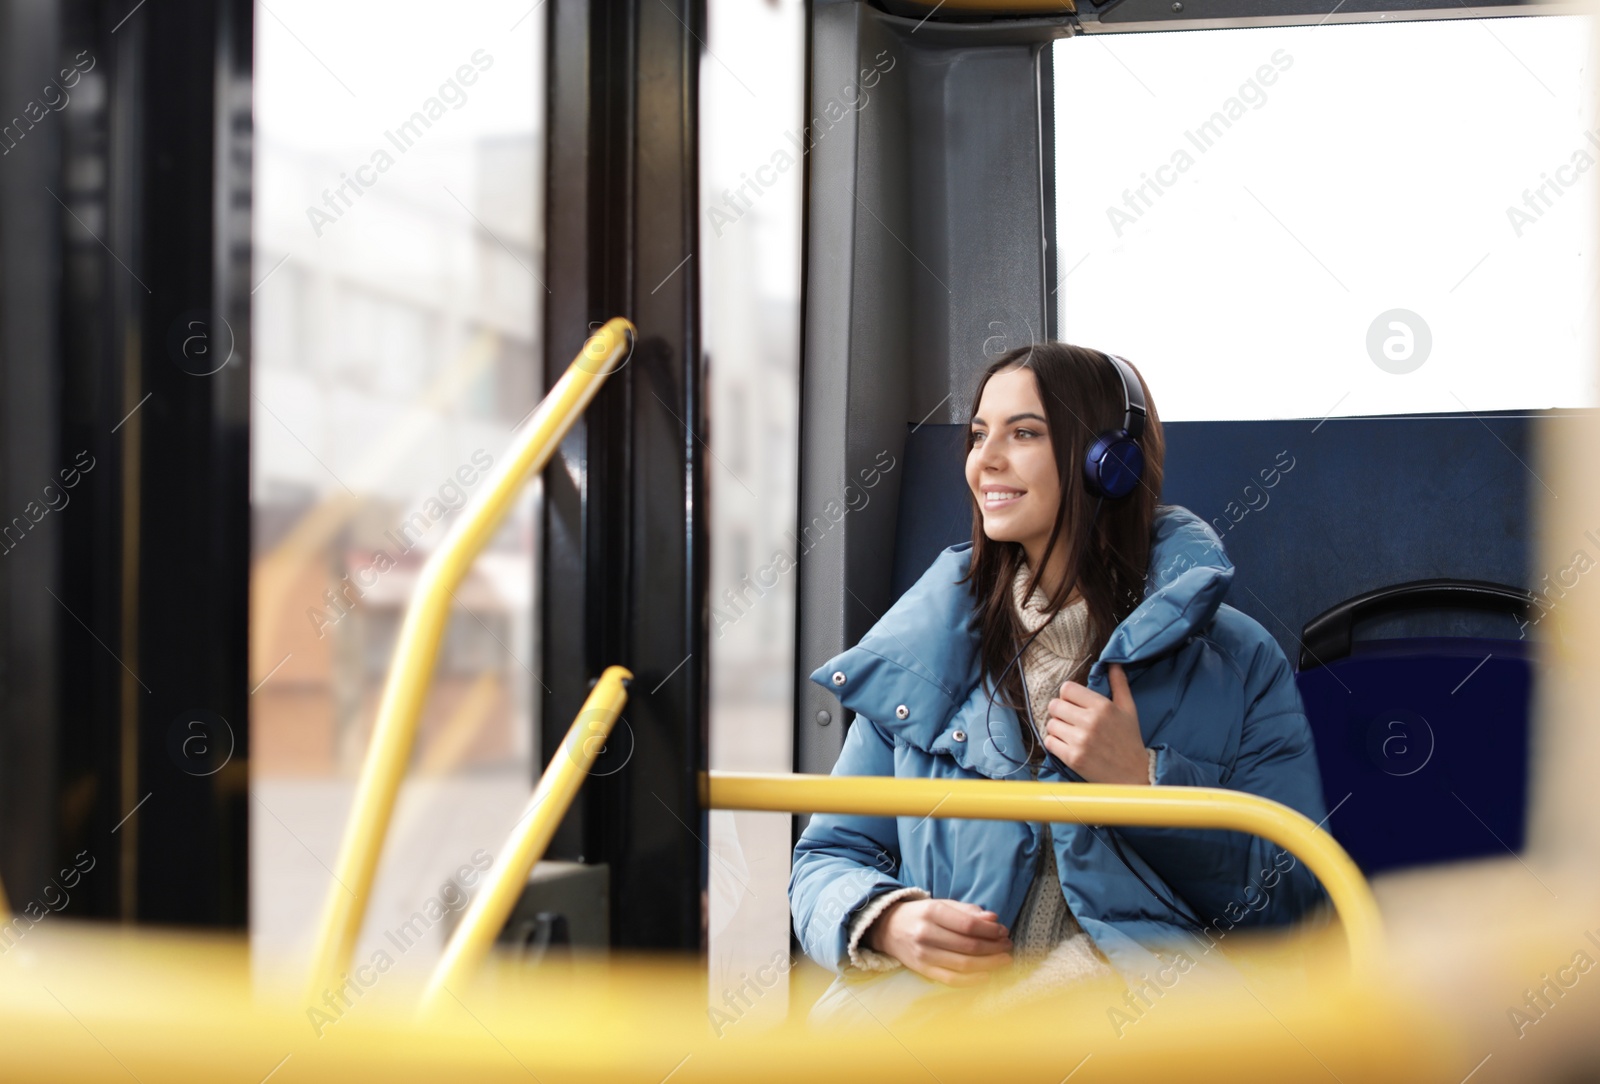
{"x": 990, "y": 504}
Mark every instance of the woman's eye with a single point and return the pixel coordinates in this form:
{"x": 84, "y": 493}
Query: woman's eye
{"x": 1026, "y": 432}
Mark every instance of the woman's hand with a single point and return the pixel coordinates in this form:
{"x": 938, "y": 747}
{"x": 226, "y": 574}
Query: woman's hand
{"x": 1095, "y": 737}
{"x": 945, "y": 940}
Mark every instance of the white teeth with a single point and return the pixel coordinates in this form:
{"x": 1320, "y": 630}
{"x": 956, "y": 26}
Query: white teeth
{"x": 990, "y": 498}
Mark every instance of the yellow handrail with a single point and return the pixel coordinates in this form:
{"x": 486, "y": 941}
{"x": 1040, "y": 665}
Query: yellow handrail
{"x": 490, "y": 909}
{"x": 181, "y": 1008}
{"x": 1077, "y": 803}
{"x": 411, "y": 670}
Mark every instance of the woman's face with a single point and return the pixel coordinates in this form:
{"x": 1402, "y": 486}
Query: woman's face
{"x": 1011, "y": 466}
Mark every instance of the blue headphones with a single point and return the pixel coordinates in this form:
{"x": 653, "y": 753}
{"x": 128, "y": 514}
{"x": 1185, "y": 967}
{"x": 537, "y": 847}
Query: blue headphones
{"x": 1114, "y": 464}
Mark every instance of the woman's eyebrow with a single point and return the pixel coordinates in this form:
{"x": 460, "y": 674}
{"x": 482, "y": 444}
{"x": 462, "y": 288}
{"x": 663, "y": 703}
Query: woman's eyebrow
{"x": 1014, "y": 419}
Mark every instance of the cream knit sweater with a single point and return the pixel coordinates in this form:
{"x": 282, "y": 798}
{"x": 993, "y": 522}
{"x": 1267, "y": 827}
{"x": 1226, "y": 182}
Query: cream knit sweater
{"x": 1050, "y": 948}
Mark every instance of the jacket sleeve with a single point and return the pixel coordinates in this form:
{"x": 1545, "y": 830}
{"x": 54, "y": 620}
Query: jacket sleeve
{"x": 1233, "y": 878}
{"x": 843, "y": 862}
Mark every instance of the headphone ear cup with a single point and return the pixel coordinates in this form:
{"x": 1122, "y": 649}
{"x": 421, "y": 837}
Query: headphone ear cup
{"x": 1114, "y": 465}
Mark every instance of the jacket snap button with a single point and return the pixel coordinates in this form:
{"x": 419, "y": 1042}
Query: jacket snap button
{"x": 959, "y": 735}
{"x": 902, "y": 712}
{"x": 838, "y": 677}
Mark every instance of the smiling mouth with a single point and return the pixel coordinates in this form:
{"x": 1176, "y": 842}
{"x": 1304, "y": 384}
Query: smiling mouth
{"x": 1002, "y": 500}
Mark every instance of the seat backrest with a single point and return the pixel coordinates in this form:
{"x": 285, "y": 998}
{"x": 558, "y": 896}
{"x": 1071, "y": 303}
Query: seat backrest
{"x": 1423, "y": 748}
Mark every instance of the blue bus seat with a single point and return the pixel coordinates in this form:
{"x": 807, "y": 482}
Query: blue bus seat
{"x": 1423, "y": 741}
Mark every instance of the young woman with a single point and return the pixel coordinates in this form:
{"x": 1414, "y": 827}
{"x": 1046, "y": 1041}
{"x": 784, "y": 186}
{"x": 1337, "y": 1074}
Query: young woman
{"x": 1080, "y": 636}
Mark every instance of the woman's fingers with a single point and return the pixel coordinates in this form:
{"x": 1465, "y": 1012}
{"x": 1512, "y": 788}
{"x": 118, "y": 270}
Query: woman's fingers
{"x": 960, "y": 962}
{"x": 1060, "y": 740}
{"x": 939, "y": 937}
{"x": 1075, "y": 754}
{"x": 1081, "y": 695}
{"x": 1067, "y": 713}
{"x": 972, "y": 907}
{"x": 964, "y": 928}
{"x": 968, "y": 919}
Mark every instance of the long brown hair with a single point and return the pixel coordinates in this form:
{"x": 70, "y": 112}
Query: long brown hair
{"x": 1082, "y": 397}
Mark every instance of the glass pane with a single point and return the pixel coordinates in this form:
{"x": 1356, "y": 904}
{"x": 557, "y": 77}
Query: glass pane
{"x": 398, "y": 232}
{"x": 1344, "y": 219}
{"x": 751, "y": 85}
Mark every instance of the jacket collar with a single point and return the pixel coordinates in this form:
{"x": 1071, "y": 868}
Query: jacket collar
{"x": 923, "y": 654}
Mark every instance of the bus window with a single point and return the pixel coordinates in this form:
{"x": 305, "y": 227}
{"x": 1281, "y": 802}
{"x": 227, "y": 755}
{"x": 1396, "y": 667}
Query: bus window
{"x": 398, "y": 252}
{"x": 1333, "y": 220}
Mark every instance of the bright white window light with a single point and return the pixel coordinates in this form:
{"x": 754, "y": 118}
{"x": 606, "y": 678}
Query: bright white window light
{"x": 1344, "y": 219}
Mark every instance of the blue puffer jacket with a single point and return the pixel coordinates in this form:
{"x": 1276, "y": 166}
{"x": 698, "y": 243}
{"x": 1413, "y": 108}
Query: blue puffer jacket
{"x": 1216, "y": 699}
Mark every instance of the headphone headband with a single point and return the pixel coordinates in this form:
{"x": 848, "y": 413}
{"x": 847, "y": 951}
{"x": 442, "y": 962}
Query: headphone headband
{"x": 1133, "y": 408}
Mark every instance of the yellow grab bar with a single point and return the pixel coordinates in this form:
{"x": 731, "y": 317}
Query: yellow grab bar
{"x": 490, "y": 909}
{"x": 1077, "y": 803}
{"x": 411, "y": 669}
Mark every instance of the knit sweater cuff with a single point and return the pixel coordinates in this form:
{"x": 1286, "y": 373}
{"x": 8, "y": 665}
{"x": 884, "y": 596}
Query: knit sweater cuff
{"x": 1152, "y": 753}
{"x": 860, "y": 955}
